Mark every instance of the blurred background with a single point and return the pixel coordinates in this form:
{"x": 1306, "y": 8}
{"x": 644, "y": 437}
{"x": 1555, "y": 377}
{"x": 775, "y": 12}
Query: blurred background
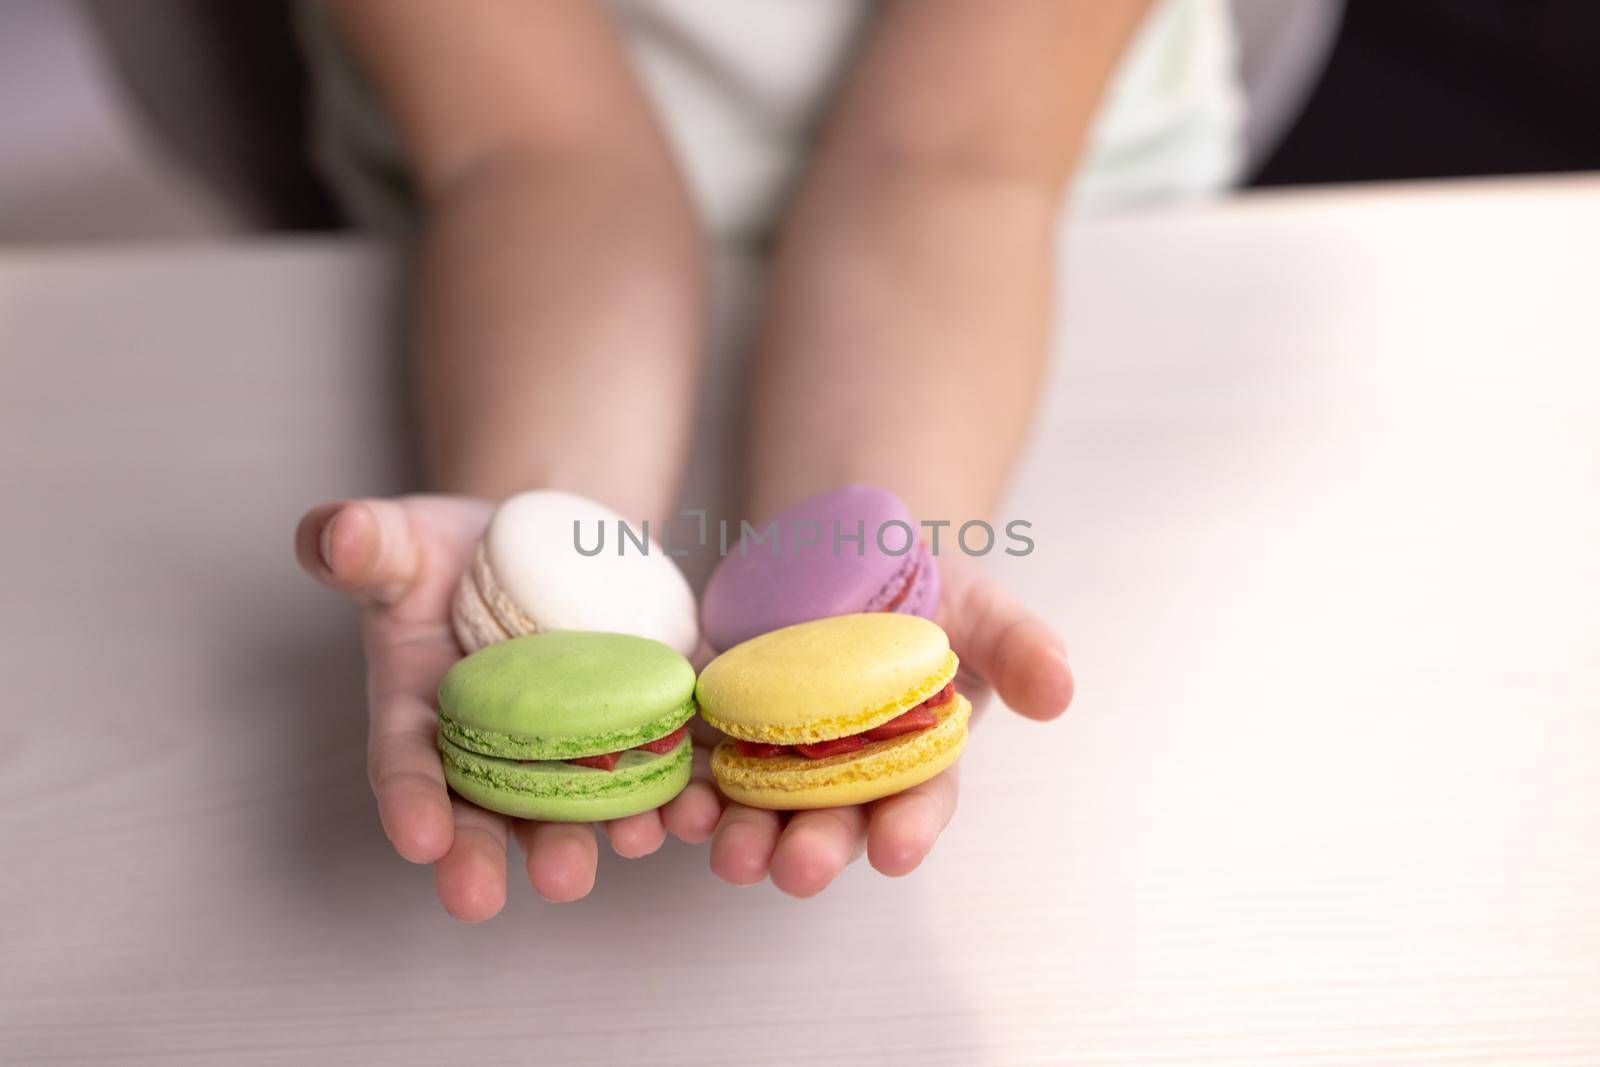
{"x": 187, "y": 119}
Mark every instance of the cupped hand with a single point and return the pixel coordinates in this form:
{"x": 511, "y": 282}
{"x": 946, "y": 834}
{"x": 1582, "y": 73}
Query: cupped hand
{"x": 1004, "y": 650}
{"x": 400, "y": 559}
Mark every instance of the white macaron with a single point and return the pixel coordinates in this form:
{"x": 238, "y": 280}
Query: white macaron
{"x": 528, "y": 576}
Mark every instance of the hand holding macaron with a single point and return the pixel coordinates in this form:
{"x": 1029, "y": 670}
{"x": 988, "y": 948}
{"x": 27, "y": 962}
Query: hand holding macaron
{"x": 849, "y": 794}
{"x": 1004, "y": 651}
{"x": 402, "y": 560}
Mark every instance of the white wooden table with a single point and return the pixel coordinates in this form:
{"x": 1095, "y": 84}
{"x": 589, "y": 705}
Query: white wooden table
{"x": 1317, "y": 498}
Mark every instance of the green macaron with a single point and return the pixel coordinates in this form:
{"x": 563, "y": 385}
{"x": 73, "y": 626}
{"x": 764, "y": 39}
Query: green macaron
{"x": 513, "y": 715}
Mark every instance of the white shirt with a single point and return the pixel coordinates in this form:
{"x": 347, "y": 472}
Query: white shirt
{"x": 741, "y": 85}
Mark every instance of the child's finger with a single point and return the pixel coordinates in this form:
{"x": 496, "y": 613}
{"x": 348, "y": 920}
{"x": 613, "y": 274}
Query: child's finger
{"x": 741, "y": 848}
{"x": 361, "y": 547}
{"x": 815, "y": 847}
{"x": 636, "y": 835}
{"x": 904, "y": 827}
{"x": 692, "y": 815}
{"x": 1005, "y": 643}
{"x": 471, "y": 877}
{"x": 407, "y": 779}
{"x": 561, "y": 858}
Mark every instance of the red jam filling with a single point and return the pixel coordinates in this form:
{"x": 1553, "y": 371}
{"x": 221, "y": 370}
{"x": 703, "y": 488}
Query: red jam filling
{"x": 834, "y": 746}
{"x": 918, "y": 718}
{"x": 758, "y": 749}
{"x": 662, "y": 745}
{"x": 606, "y": 761}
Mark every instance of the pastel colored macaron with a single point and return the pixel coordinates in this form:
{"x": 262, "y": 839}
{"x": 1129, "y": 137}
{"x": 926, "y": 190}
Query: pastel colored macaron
{"x": 855, "y": 549}
{"x": 836, "y": 711}
{"x": 568, "y": 726}
{"x": 528, "y": 576}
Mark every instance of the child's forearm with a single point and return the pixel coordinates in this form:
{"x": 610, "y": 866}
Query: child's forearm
{"x": 905, "y": 340}
{"x": 559, "y": 331}
{"x": 560, "y": 279}
{"x": 910, "y": 305}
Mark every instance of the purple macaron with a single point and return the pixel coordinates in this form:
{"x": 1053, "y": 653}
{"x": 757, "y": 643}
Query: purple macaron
{"x": 854, "y": 549}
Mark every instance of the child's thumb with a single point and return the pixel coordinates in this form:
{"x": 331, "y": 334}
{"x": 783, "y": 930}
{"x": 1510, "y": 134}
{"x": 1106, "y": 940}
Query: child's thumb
{"x": 1010, "y": 647}
{"x": 362, "y": 547}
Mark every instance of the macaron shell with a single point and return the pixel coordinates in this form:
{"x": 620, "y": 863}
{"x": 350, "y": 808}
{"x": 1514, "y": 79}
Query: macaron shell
{"x": 825, "y": 678}
{"x": 564, "y": 694}
{"x": 538, "y": 580}
{"x": 507, "y": 616}
{"x": 562, "y": 792}
{"x": 791, "y": 783}
{"x": 474, "y": 623}
{"x": 758, "y": 588}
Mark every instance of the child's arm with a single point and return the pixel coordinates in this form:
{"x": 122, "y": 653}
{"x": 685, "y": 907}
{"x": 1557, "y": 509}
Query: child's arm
{"x": 560, "y": 286}
{"x": 911, "y": 295}
{"x": 907, "y": 335}
{"x": 559, "y": 299}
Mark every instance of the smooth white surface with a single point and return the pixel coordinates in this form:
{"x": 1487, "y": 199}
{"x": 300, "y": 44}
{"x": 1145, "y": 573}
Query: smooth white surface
{"x": 1314, "y": 492}
{"x": 620, "y": 589}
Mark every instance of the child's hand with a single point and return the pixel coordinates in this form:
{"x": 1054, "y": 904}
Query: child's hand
{"x": 1003, "y": 650}
{"x": 400, "y": 560}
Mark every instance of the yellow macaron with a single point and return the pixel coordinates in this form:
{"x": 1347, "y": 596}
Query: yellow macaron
{"x": 833, "y": 712}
